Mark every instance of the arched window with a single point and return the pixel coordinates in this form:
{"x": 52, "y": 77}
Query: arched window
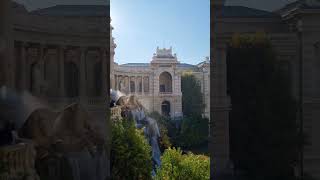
{"x": 71, "y": 79}
{"x": 165, "y": 82}
{"x": 165, "y": 108}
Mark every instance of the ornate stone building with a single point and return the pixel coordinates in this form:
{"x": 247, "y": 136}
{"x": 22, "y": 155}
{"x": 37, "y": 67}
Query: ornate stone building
{"x": 294, "y": 31}
{"x": 158, "y": 84}
{"x": 59, "y": 55}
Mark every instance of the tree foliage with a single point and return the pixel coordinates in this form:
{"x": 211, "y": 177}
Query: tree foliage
{"x": 176, "y": 166}
{"x": 192, "y": 100}
{"x": 193, "y": 132}
{"x": 263, "y": 130}
{"x": 165, "y": 125}
{"x": 130, "y": 152}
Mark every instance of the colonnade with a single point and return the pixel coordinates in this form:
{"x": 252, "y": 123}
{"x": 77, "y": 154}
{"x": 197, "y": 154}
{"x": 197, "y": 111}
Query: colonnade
{"x": 60, "y": 70}
{"x": 131, "y": 84}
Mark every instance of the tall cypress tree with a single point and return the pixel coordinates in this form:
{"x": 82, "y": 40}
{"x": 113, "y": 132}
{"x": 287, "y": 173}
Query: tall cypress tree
{"x": 192, "y": 98}
{"x": 263, "y": 129}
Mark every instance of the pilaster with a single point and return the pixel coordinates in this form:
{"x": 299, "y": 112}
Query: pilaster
{"x": 42, "y": 69}
{"x": 142, "y": 85}
{"x": 24, "y": 64}
{"x": 105, "y": 72}
{"x": 220, "y": 108}
{"x": 83, "y": 80}
{"x": 61, "y": 64}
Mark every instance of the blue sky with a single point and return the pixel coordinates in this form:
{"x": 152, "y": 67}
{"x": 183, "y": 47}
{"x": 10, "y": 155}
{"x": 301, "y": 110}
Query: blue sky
{"x": 142, "y": 25}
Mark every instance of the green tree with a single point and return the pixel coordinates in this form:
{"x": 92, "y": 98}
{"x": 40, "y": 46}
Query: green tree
{"x": 176, "y": 166}
{"x": 193, "y": 132}
{"x": 192, "y": 100}
{"x": 165, "y": 124}
{"x": 130, "y": 152}
{"x": 263, "y": 130}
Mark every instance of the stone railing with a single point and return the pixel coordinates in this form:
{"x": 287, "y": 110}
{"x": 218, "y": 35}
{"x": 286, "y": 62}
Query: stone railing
{"x": 167, "y": 92}
{"x": 18, "y": 162}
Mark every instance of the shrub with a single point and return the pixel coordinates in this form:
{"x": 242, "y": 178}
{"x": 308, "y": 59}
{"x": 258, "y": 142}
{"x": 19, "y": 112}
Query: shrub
{"x": 175, "y": 165}
{"x": 131, "y": 153}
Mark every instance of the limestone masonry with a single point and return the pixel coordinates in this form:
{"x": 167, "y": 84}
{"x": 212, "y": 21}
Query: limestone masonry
{"x": 158, "y": 84}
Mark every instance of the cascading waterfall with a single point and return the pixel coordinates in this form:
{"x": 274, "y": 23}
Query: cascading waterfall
{"x": 151, "y": 129}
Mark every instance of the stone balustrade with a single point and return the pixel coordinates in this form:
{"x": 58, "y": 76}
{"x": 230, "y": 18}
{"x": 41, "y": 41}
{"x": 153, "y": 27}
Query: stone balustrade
{"x": 165, "y": 93}
{"x": 18, "y": 162}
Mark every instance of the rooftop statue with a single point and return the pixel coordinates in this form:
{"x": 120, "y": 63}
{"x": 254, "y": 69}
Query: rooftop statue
{"x": 164, "y": 53}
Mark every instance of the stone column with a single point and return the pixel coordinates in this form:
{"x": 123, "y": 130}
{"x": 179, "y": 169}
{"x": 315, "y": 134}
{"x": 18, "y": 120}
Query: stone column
{"x": 6, "y": 45}
{"x": 219, "y": 142}
{"x": 142, "y": 85}
{"x": 42, "y": 70}
{"x": 28, "y": 68}
{"x": 24, "y": 74}
{"x": 136, "y": 85}
{"x": 129, "y": 84}
{"x": 105, "y": 73}
{"x": 116, "y": 82}
{"x": 61, "y": 64}
{"x": 82, "y": 70}
{"x": 155, "y": 83}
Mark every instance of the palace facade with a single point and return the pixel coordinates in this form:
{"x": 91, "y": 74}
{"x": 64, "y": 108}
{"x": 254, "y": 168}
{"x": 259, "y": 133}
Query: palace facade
{"x": 158, "y": 84}
{"x": 51, "y": 58}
